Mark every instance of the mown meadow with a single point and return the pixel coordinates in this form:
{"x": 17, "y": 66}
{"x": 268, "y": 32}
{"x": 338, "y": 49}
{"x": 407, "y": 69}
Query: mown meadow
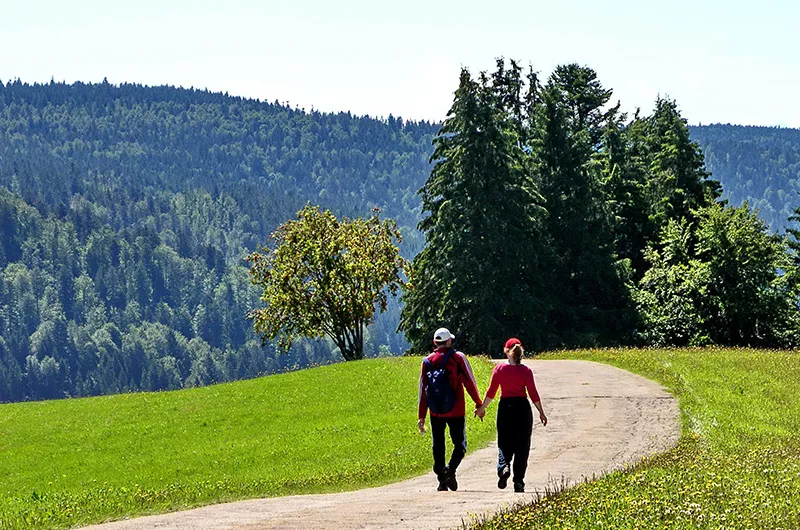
{"x": 737, "y": 465}
{"x": 346, "y": 426}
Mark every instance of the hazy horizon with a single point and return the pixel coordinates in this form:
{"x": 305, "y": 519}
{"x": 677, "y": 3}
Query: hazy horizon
{"x": 723, "y": 62}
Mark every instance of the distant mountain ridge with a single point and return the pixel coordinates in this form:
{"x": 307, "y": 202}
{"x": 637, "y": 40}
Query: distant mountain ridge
{"x": 125, "y": 215}
{"x": 206, "y": 149}
{"x": 177, "y": 138}
{"x": 760, "y": 165}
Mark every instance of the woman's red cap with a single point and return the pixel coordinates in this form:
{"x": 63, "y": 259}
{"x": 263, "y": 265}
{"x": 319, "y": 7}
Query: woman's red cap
{"x": 512, "y": 342}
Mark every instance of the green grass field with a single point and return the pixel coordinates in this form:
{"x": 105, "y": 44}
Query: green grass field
{"x": 737, "y": 465}
{"x": 345, "y": 426}
{"x": 352, "y": 425}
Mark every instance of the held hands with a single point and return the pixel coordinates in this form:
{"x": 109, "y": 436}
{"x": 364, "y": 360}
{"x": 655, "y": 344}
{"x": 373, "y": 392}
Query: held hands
{"x": 480, "y": 411}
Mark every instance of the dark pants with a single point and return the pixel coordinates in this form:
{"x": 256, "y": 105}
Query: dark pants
{"x": 458, "y": 435}
{"x": 514, "y": 427}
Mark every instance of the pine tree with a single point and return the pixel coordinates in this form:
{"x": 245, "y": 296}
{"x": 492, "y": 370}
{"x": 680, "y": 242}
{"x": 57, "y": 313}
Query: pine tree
{"x": 678, "y": 182}
{"x": 477, "y": 273}
{"x": 623, "y": 184}
{"x": 590, "y": 302}
{"x": 652, "y": 173}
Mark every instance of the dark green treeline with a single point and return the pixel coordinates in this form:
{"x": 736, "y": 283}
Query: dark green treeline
{"x": 552, "y": 216}
{"x": 126, "y": 213}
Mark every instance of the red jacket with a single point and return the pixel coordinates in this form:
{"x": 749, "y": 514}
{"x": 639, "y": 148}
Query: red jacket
{"x": 461, "y": 377}
{"x": 513, "y": 380}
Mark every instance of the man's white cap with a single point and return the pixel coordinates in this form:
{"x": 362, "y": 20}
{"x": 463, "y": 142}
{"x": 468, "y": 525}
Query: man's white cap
{"x": 443, "y": 335}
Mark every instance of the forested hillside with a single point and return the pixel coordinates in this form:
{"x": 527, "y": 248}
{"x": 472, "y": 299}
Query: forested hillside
{"x": 760, "y": 165}
{"x": 126, "y": 213}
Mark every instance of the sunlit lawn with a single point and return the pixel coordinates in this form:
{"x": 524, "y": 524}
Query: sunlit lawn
{"x": 345, "y": 426}
{"x": 737, "y": 465}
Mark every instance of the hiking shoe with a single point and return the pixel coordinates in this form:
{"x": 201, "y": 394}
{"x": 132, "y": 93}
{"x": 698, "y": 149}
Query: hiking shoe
{"x": 442, "y": 482}
{"x": 503, "y": 474}
{"x": 519, "y": 487}
{"x": 450, "y": 479}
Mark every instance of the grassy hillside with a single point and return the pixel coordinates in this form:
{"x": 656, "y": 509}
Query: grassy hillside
{"x": 345, "y": 426}
{"x": 737, "y": 465}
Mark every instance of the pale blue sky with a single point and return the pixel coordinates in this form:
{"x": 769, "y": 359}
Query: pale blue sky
{"x": 723, "y": 61}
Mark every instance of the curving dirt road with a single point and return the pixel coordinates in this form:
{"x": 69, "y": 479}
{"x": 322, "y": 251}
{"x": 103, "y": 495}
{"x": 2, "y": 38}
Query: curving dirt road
{"x": 600, "y": 418}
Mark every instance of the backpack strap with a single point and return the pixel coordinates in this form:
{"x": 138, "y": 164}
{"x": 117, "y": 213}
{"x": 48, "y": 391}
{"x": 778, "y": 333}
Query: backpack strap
{"x": 428, "y": 364}
{"x": 447, "y": 356}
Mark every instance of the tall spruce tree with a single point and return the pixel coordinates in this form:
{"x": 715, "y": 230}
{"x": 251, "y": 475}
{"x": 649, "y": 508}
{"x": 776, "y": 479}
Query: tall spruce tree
{"x": 590, "y": 301}
{"x": 652, "y": 173}
{"x": 678, "y": 182}
{"x": 478, "y": 271}
{"x": 623, "y": 184}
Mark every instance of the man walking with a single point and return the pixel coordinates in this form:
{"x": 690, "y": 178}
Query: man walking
{"x": 445, "y": 374}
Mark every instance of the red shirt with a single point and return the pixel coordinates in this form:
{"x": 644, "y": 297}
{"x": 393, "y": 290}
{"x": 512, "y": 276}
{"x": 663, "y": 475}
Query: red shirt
{"x": 513, "y": 380}
{"x": 460, "y": 373}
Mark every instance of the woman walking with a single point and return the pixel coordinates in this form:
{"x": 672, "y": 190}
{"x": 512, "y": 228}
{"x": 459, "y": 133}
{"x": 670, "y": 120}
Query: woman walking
{"x": 514, "y": 415}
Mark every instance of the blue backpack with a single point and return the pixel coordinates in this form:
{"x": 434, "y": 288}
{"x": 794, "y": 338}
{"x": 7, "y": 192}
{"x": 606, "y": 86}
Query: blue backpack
{"x": 441, "y": 396}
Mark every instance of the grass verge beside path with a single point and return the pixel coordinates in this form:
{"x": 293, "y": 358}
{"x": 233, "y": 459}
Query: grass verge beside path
{"x": 737, "y": 465}
{"x": 345, "y": 426}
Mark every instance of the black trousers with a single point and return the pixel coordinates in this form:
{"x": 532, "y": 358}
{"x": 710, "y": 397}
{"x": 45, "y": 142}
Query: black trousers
{"x": 514, "y": 428}
{"x": 458, "y": 435}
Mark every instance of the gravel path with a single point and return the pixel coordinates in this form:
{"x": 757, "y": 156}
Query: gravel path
{"x": 600, "y": 418}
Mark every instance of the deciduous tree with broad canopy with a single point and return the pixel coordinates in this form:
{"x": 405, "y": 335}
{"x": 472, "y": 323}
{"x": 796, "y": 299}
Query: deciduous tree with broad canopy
{"x": 325, "y": 277}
